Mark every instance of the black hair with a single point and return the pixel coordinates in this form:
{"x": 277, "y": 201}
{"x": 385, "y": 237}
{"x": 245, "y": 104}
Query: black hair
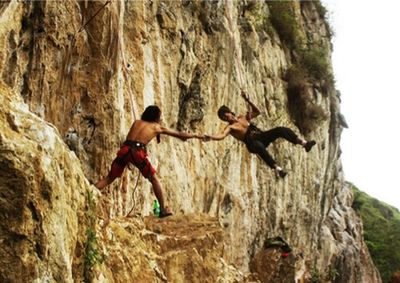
{"x": 152, "y": 113}
{"x": 222, "y": 111}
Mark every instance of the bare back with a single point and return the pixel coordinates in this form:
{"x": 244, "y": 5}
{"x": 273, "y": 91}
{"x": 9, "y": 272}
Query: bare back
{"x": 143, "y": 131}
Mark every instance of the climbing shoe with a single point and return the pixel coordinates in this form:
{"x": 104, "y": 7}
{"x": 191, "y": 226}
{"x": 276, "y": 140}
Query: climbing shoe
{"x": 309, "y": 145}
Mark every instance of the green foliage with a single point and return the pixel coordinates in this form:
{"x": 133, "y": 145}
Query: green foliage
{"x": 257, "y": 14}
{"x": 305, "y": 112}
{"x": 315, "y": 63}
{"x": 321, "y": 9}
{"x": 92, "y": 254}
{"x": 324, "y": 15}
{"x": 381, "y": 232}
{"x": 314, "y": 60}
{"x": 285, "y": 22}
{"x": 310, "y": 68}
{"x": 283, "y": 18}
{"x": 331, "y": 274}
{"x": 315, "y": 275}
{"x": 91, "y": 208}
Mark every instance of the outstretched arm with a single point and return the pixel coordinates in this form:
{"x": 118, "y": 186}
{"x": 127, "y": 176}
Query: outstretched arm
{"x": 180, "y": 135}
{"x": 220, "y": 136}
{"x": 254, "y": 111}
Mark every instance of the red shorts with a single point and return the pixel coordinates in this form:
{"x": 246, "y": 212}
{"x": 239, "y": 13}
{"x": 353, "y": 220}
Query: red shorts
{"x": 135, "y": 155}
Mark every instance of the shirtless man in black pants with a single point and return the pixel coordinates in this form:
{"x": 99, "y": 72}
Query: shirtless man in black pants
{"x": 255, "y": 139}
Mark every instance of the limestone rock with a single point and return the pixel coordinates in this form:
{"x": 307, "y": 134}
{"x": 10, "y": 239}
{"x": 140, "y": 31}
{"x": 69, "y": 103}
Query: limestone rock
{"x": 65, "y": 73}
{"x": 180, "y": 248}
{"x": 42, "y": 200}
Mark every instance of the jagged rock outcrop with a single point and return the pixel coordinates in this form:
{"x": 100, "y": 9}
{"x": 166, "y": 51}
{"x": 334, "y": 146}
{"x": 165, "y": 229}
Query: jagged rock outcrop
{"x": 186, "y": 248}
{"x": 42, "y": 199}
{"x": 45, "y": 213}
{"x": 91, "y": 76}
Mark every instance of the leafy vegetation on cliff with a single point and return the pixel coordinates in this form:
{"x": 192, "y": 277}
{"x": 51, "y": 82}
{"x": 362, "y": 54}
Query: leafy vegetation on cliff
{"x": 283, "y": 18}
{"x": 93, "y": 255}
{"x": 381, "y": 232}
{"x": 310, "y": 62}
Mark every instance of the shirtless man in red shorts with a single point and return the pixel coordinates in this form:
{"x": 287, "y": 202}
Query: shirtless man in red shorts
{"x": 134, "y": 151}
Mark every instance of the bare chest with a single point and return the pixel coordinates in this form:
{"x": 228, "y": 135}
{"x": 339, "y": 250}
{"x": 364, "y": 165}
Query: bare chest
{"x": 239, "y": 129}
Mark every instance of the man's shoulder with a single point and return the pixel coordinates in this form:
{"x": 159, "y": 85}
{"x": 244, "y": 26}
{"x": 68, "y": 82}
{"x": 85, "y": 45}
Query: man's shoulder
{"x": 157, "y": 127}
{"x": 149, "y": 126}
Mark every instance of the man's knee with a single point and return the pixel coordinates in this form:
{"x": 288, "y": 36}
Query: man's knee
{"x": 286, "y": 133}
{"x": 110, "y": 179}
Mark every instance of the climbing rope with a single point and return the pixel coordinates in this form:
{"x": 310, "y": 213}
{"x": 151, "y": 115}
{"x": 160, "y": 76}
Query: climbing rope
{"x": 133, "y": 195}
{"x": 66, "y": 67}
{"x": 93, "y": 16}
{"x": 130, "y": 94}
{"x": 241, "y": 80}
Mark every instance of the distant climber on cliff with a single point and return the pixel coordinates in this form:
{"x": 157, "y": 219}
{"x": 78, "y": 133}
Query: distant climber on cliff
{"x": 256, "y": 140}
{"x": 134, "y": 151}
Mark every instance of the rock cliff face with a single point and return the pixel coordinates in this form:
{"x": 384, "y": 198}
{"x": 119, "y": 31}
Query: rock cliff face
{"x": 75, "y": 74}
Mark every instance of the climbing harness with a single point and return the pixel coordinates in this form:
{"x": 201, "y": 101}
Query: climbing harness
{"x": 132, "y": 146}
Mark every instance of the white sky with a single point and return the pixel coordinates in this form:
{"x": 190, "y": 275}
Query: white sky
{"x": 366, "y": 62}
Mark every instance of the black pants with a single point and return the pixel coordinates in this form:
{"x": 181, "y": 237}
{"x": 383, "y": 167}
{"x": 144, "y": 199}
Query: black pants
{"x": 258, "y": 142}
